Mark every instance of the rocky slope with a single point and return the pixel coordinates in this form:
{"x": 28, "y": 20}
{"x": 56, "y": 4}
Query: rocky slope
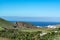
{"x": 24, "y": 24}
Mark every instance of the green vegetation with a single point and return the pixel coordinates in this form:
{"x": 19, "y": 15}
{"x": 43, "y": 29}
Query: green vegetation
{"x": 1, "y": 28}
{"x": 26, "y": 35}
{"x": 4, "y": 23}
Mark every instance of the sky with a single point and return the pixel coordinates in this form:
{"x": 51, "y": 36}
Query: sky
{"x": 30, "y": 8}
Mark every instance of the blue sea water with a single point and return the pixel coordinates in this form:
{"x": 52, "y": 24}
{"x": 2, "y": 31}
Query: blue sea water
{"x": 45, "y": 23}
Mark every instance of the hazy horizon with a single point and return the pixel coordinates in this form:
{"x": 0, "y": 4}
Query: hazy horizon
{"x": 32, "y": 19}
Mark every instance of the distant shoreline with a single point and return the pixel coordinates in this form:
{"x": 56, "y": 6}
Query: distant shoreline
{"x": 42, "y": 23}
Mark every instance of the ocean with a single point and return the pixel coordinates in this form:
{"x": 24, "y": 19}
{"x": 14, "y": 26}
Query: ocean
{"x": 44, "y": 23}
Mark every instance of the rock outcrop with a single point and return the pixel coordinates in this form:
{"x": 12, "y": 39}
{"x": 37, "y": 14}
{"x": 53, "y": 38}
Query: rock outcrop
{"x": 23, "y": 24}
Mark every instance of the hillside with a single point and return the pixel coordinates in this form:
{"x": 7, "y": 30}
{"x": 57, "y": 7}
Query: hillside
{"x": 25, "y": 25}
{"x": 28, "y": 32}
{"x": 5, "y": 23}
{"x": 8, "y": 24}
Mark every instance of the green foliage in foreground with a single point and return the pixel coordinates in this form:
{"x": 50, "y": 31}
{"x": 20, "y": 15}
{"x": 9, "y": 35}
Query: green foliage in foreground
{"x": 20, "y": 35}
{"x": 1, "y": 28}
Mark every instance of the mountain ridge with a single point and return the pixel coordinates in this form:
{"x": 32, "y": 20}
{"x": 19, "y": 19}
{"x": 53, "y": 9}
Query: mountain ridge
{"x": 33, "y": 19}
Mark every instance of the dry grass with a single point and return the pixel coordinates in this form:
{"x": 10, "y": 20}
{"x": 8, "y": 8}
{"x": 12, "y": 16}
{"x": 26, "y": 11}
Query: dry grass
{"x": 1, "y": 38}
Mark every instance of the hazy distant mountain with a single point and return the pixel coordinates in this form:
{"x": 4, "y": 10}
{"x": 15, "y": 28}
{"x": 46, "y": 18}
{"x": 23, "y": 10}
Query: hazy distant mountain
{"x": 33, "y": 19}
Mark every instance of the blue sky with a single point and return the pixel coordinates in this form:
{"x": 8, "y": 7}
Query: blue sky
{"x": 30, "y": 8}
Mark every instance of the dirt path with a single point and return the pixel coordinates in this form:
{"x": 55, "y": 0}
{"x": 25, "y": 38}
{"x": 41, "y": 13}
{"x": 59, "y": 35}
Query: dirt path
{"x": 1, "y": 38}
